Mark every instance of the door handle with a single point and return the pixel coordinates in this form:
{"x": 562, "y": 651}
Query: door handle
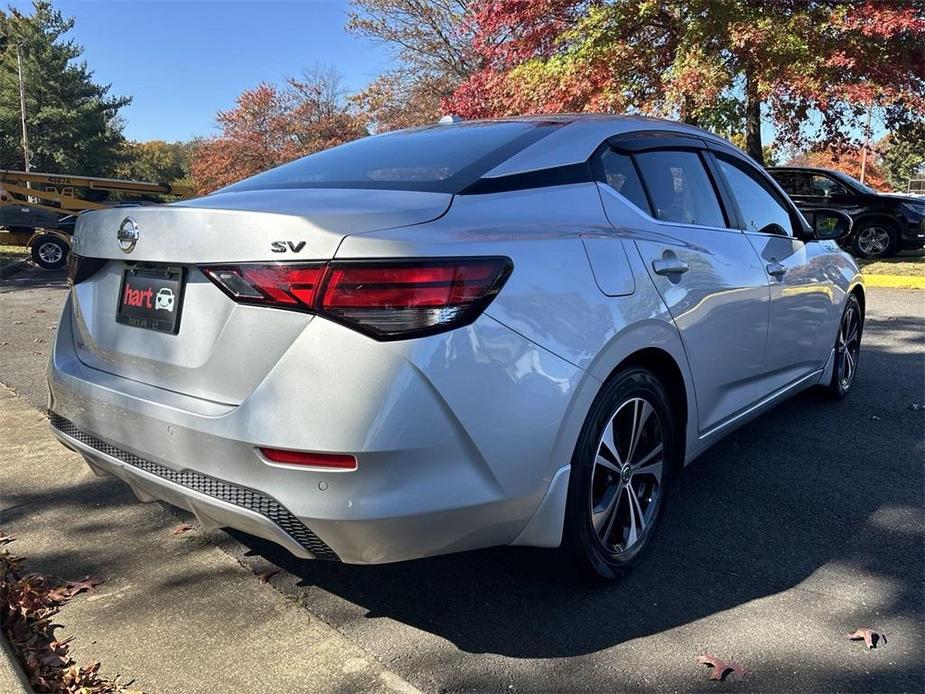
{"x": 776, "y": 269}
{"x": 669, "y": 266}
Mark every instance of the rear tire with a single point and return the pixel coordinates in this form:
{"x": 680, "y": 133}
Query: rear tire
{"x": 875, "y": 239}
{"x": 621, "y": 471}
{"x": 50, "y": 252}
{"x": 847, "y": 349}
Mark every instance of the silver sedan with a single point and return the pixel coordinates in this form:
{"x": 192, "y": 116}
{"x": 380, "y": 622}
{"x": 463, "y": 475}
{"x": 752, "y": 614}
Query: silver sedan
{"x": 511, "y": 332}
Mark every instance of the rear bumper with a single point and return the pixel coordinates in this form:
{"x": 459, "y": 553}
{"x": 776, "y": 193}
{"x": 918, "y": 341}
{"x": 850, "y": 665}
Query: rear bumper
{"x": 215, "y": 503}
{"x": 451, "y": 456}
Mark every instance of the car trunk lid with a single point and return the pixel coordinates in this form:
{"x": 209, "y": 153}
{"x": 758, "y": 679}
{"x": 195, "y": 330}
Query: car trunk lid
{"x": 221, "y": 350}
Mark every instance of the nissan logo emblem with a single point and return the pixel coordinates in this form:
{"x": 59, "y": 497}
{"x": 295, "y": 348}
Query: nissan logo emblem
{"x": 127, "y": 235}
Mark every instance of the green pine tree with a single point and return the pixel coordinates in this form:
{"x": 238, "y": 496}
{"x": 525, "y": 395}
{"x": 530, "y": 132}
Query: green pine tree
{"x": 73, "y": 123}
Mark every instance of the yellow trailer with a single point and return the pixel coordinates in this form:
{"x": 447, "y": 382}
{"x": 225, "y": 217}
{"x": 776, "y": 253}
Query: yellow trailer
{"x": 39, "y": 208}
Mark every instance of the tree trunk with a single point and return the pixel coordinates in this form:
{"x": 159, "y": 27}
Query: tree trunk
{"x": 753, "y": 118}
{"x": 688, "y": 115}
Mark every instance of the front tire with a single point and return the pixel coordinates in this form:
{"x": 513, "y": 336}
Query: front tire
{"x": 49, "y": 252}
{"x": 621, "y": 470}
{"x": 847, "y": 348}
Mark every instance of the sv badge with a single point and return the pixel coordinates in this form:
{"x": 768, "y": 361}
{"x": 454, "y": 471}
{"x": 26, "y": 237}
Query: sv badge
{"x": 283, "y": 246}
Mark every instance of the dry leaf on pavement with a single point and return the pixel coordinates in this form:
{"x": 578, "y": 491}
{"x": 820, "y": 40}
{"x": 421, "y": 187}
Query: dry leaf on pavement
{"x": 871, "y": 637}
{"x": 722, "y": 668}
{"x": 183, "y": 528}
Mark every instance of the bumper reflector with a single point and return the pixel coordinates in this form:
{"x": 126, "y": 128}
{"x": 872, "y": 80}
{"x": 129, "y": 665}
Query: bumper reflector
{"x": 333, "y": 461}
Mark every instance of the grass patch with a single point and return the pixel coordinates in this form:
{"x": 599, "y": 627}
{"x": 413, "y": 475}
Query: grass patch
{"x": 906, "y": 264}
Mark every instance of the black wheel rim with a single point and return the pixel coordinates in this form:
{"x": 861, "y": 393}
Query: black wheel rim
{"x": 628, "y": 475}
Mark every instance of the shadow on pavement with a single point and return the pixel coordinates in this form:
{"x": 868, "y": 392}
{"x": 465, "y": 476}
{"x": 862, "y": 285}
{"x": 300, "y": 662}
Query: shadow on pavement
{"x": 757, "y": 514}
{"x": 34, "y": 278}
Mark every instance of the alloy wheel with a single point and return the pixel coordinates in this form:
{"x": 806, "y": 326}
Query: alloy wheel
{"x": 628, "y": 475}
{"x": 50, "y": 253}
{"x": 848, "y": 346}
{"x": 873, "y": 241}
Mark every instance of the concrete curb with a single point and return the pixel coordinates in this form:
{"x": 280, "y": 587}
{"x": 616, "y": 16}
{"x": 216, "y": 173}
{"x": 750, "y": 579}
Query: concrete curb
{"x": 13, "y": 268}
{"x": 12, "y": 677}
{"x": 175, "y": 613}
{"x": 894, "y": 281}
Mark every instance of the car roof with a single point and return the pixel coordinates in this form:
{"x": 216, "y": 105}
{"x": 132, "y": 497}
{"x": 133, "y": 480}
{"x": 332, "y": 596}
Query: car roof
{"x": 579, "y": 136}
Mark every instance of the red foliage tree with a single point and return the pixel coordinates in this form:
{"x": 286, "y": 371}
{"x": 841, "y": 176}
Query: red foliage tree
{"x": 846, "y": 162}
{"x": 718, "y": 63}
{"x": 270, "y": 126}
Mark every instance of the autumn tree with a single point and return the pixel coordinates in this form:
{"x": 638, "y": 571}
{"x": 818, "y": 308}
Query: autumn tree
{"x": 272, "y": 125}
{"x": 432, "y": 44}
{"x": 72, "y": 121}
{"x": 811, "y": 67}
{"x": 156, "y": 161}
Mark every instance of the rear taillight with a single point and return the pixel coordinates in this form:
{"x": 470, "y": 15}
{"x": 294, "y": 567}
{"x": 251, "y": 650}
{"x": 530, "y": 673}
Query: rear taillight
{"x": 387, "y": 300}
{"x": 285, "y": 286}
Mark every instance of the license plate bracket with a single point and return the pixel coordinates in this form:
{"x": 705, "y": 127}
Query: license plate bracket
{"x": 151, "y": 297}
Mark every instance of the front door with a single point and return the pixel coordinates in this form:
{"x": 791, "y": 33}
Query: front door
{"x": 802, "y": 303}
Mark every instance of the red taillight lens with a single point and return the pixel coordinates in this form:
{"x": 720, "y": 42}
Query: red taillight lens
{"x": 333, "y": 461}
{"x": 292, "y": 286}
{"x": 387, "y": 300}
{"x": 400, "y": 300}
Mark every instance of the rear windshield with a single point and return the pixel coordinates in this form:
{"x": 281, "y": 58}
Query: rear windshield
{"x": 439, "y": 158}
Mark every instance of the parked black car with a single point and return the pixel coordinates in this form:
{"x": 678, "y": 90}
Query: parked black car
{"x": 883, "y": 224}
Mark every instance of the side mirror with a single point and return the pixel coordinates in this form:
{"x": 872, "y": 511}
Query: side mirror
{"x": 830, "y": 225}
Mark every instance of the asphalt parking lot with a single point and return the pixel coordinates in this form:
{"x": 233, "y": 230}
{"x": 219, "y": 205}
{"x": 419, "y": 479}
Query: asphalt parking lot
{"x": 799, "y": 528}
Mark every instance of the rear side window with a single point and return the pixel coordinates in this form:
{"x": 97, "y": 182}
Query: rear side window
{"x": 761, "y": 211}
{"x": 621, "y": 175}
{"x": 680, "y": 188}
{"x": 825, "y": 187}
{"x": 437, "y": 158}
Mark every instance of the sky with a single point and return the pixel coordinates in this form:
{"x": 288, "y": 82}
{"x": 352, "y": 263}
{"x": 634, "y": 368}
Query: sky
{"x": 181, "y": 61}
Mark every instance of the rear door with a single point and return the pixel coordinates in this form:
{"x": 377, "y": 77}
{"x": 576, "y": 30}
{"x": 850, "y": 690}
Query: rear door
{"x": 804, "y": 311}
{"x": 706, "y": 272}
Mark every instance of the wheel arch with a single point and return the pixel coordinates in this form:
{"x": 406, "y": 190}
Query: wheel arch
{"x": 60, "y": 235}
{"x": 666, "y": 369}
{"x": 859, "y": 292}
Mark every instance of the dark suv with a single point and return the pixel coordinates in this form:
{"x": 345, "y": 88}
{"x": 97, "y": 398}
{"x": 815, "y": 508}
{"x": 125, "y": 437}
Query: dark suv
{"x": 883, "y": 224}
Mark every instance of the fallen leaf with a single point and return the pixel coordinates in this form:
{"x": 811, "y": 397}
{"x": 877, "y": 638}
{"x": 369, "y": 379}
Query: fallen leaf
{"x": 267, "y": 575}
{"x": 871, "y": 637}
{"x": 89, "y": 583}
{"x": 722, "y": 668}
{"x": 182, "y": 528}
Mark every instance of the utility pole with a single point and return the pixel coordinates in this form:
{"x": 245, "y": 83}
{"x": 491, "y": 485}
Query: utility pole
{"x": 22, "y": 110}
{"x": 866, "y": 143}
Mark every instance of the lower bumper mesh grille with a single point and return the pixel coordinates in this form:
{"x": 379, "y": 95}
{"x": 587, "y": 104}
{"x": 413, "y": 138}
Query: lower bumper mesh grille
{"x": 225, "y": 491}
